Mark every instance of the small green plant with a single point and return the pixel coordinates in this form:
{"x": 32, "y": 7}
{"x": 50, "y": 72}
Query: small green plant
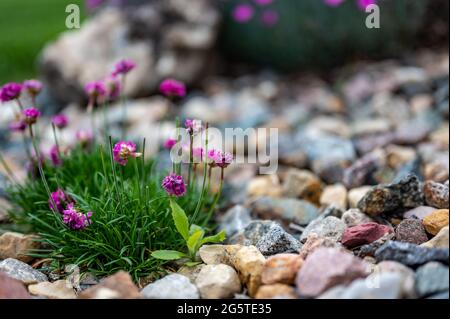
{"x": 193, "y": 235}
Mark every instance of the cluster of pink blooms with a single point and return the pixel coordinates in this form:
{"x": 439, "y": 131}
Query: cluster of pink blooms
{"x": 174, "y": 185}
{"x": 362, "y": 4}
{"x": 123, "y": 151}
{"x": 172, "y": 88}
{"x": 244, "y": 13}
{"x": 65, "y": 205}
{"x": 109, "y": 88}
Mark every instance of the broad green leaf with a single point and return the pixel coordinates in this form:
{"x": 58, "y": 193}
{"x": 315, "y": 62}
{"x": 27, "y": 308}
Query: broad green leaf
{"x": 180, "y": 219}
{"x": 168, "y": 254}
{"x": 194, "y": 241}
{"x": 214, "y": 239}
{"x": 194, "y": 228}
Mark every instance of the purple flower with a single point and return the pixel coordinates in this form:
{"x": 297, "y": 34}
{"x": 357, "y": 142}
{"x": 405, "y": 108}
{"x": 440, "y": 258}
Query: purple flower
{"x": 33, "y": 87}
{"x": 174, "y": 185}
{"x": 10, "y": 91}
{"x": 270, "y": 18}
{"x": 84, "y": 137}
{"x": 95, "y": 90}
{"x": 123, "y": 67}
{"x": 243, "y": 13}
{"x": 54, "y": 156}
{"x": 333, "y": 3}
{"x": 170, "y": 143}
{"x": 193, "y": 126}
{"x": 61, "y": 121}
{"x": 220, "y": 159}
{"x": 60, "y": 199}
{"x": 122, "y": 151}
{"x": 172, "y": 88}
{"x": 18, "y": 126}
{"x": 75, "y": 219}
{"x": 264, "y": 2}
{"x": 113, "y": 87}
{"x": 31, "y": 115}
{"x": 363, "y": 4}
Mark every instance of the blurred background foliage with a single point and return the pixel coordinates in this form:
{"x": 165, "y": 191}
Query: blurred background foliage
{"x": 25, "y": 27}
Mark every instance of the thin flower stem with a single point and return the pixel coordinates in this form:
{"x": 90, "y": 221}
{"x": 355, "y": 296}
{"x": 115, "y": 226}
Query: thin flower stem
{"x": 124, "y": 108}
{"x": 25, "y": 145}
{"x": 178, "y": 169}
{"x": 113, "y": 168}
{"x": 19, "y": 103}
{"x": 8, "y": 170}
{"x": 191, "y": 158}
{"x": 205, "y": 176}
{"x": 105, "y": 122}
{"x": 216, "y": 199}
{"x": 56, "y": 141}
{"x": 90, "y": 110}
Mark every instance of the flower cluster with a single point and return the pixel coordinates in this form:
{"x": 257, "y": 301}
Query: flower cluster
{"x": 33, "y": 87}
{"x": 59, "y": 199}
{"x": 220, "y": 159}
{"x": 122, "y": 151}
{"x": 193, "y": 126}
{"x": 244, "y": 13}
{"x": 31, "y": 115}
{"x": 10, "y": 91}
{"x": 60, "y": 121}
{"x": 76, "y": 220}
{"x": 172, "y": 88}
{"x": 174, "y": 185}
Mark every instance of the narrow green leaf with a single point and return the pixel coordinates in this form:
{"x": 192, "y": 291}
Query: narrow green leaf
{"x": 214, "y": 239}
{"x": 194, "y": 241}
{"x": 168, "y": 254}
{"x": 180, "y": 219}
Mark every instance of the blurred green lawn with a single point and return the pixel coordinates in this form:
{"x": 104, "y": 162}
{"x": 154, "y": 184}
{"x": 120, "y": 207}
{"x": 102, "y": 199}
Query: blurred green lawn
{"x": 25, "y": 27}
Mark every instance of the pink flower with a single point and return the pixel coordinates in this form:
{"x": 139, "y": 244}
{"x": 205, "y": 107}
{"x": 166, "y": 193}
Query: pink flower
{"x": 363, "y": 4}
{"x": 333, "y": 3}
{"x": 95, "y": 90}
{"x": 61, "y": 121}
{"x": 123, "y": 67}
{"x": 113, "y": 87}
{"x": 172, "y": 88}
{"x": 75, "y": 219}
{"x": 60, "y": 199}
{"x": 264, "y": 2}
{"x": 122, "y": 151}
{"x": 170, "y": 143}
{"x": 243, "y": 13}
{"x": 193, "y": 126}
{"x": 18, "y": 126}
{"x": 270, "y": 18}
{"x": 54, "y": 156}
{"x": 10, "y": 91}
{"x": 84, "y": 137}
{"x": 31, "y": 115}
{"x": 174, "y": 185}
{"x": 220, "y": 159}
{"x": 33, "y": 87}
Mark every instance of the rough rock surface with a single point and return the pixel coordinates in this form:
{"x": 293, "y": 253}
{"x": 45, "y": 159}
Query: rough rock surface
{"x": 11, "y": 288}
{"x": 21, "y": 271}
{"x": 436, "y": 194}
{"x": 441, "y": 240}
{"x": 118, "y": 286}
{"x": 281, "y": 268}
{"x": 411, "y": 231}
{"x": 218, "y": 282}
{"x": 437, "y": 220}
{"x": 276, "y": 291}
{"x": 314, "y": 241}
{"x": 354, "y": 217}
{"x": 16, "y": 245}
{"x": 432, "y": 278}
{"x": 363, "y": 234}
{"x": 330, "y": 227}
{"x": 235, "y": 220}
{"x": 174, "y": 286}
{"x": 55, "y": 290}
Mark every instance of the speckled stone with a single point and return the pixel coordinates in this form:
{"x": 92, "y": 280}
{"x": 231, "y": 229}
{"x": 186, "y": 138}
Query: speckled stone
{"x": 411, "y": 231}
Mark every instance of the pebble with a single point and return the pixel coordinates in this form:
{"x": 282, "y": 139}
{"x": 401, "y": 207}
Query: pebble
{"x": 249, "y": 263}
{"x": 5, "y": 206}
{"x": 213, "y": 254}
{"x": 235, "y": 220}
{"x": 432, "y": 278}
{"x": 441, "y": 240}
{"x": 218, "y": 282}
{"x": 173, "y": 286}
{"x": 302, "y": 184}
{"x": 190, "y": 272}
{"x": 11, "y": 288}
{"x": 335, "y": 195}
{"x": 370, "y": 249}
{"x": 276, "y": 291}
{"x": 330, "y": 227}
{"x": 356, "y": 194}
{"x": 354, "y": 217}
{"x": 436, "y": 194}
{"x": 419, "y": 212}
{"x": 388, "y": 198}
{"x": 16, "y": 245}
{"x": 408, "y": 274}
{"x": 363, "y": 234}
{"x": 56, "y": 290}
{"x": 437, "y": 220}
{"x": 411, "y": 255}
{"x": 411, "y": 231}
{"x": 328, "y": 267}
{"x": 21, "y": 271}
{"x": 117, "y": 286}
{"x": 358, "y": 174}
{"x": 313, "y": 242}
{"x": 291, "y": 210}
{"x": 281, "y": 268}
{"x": 268, "y": 185}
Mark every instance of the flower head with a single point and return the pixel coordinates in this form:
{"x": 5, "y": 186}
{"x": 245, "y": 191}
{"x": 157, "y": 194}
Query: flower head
{"x": 172, "y": 88}
{"x": 60, "y": 121}
{"x": 10, "y": 91}
{"x": 174, "y": 185}
{"x": 243, "y": 13}
{"x": 31, "y": 115}
{"x": 95, "y": 90}
{"x": 220, "y": 159}
{"x": 113, "y": 87}
{"x": 122, "y": 151}
{"x": 193, "y": 126}
{"x": 33, "y": 87}
{"x": 123, "y": 67}
{"x": 60, "y": 199}
{"x": 75, "y": 219}
{"x": 84, "y": 137}
{"x": 363, "y": 4}
{"x": 170, "y": 143}
{"x": 54, "y": 156}
{"x": 18, "y": 126}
